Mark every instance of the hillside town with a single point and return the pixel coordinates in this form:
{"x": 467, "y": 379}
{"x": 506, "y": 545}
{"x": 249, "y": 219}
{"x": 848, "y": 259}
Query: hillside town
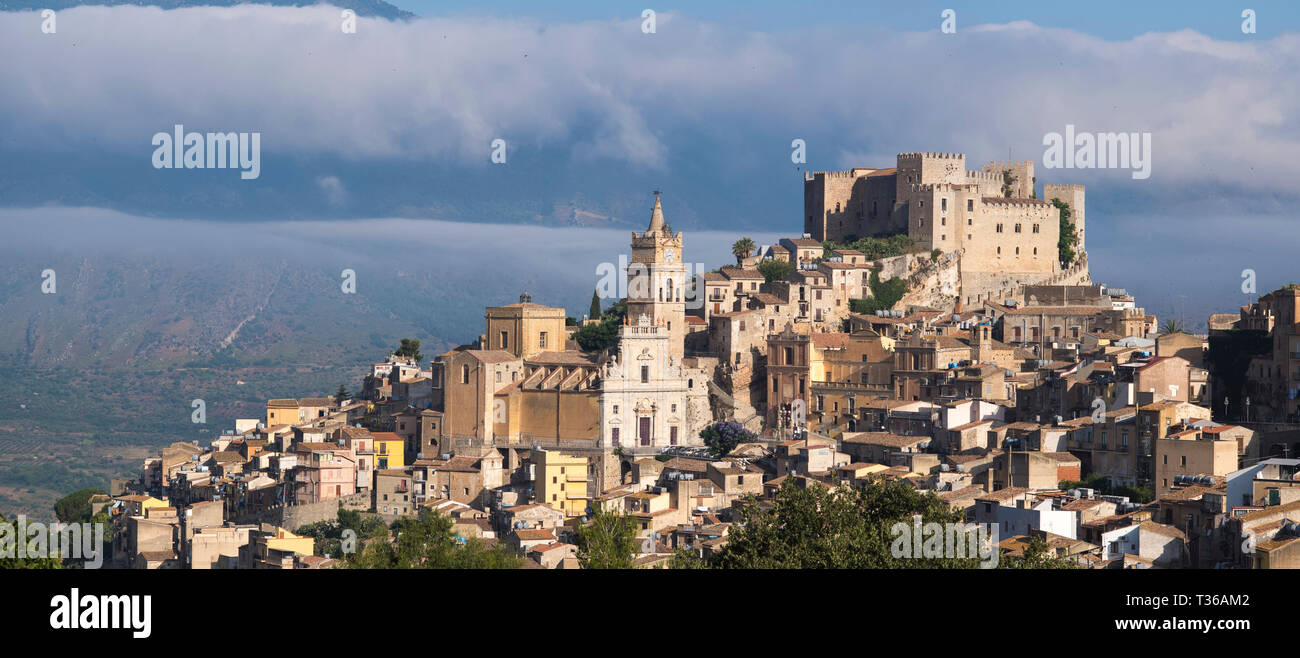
{"x": 980, "y": 364}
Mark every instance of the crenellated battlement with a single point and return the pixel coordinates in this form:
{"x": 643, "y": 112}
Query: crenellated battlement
{"x": 1002, "y": 201}
{"x": 856, "y": 172}
{"x": 1074, "y": 187}
{"x": 943, "y": 187}
{"x": 1009, "y": 165}
{"x": 912, "y": 157}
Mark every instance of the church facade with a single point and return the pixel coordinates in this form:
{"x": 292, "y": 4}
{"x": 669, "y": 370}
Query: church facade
{"x": 650, "y": 398}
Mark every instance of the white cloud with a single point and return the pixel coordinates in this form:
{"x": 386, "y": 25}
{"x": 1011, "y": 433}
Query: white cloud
{"x": 333, "y": 189}
{"x": 441, "y": 89}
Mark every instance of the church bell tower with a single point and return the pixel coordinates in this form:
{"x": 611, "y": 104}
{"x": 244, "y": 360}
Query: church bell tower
{"x": 656, "y": 280}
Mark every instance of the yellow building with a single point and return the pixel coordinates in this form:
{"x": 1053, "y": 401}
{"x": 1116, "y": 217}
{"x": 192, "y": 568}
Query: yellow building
{"x": 282, "y": 411}
{"x": 561, "y": 482}
{"x": 390, "y": 450}
{"x": 1192, "y": 452}
{"x": 283, "y": 540}
{"x": 524, "y": 329}
{"x": 137, "y": 505}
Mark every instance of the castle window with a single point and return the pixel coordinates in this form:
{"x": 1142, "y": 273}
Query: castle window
{"x": 943, "y": 204}
{"x": 943, "y": 236}
{"x": 999, "y": 228}
{"x": 464, "y": 374}
{"x": 1017, "y": 251}
{"x": 645, "y": 374}
{"x": 969, "y": 221}
{"x": 1035, "y": 228}
{"x": 968, "y": 236}
{"x": 920, "y": 222}
{"x": 542, "y": 340}
{"x": 1017, "y": 228}
{"x": 999, "y": 250}
{"x": 943, "y": 221}
{"x": 616, "y": 408}
{"x": 505, "y": 339}
{"x": 970, "y": 205}
{"x": 873, "y": 208}
{"x": 1035, "y": 251}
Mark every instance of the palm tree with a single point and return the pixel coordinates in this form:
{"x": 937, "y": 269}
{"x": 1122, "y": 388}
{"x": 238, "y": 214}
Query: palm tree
{"x": 742, "y": 248}
{"x": 1171, "y": 326}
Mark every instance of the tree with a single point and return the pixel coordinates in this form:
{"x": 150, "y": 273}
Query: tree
{"x": 75, "y": 507}
{"x": 23, "y": 562}
{"x": 723, "y": 437}
{"x": 410, "y": 348}
{"x": 742, "y": 248}
{"x": 873, "y": 248}
{"x": 1171, "y": 326}
{"x": 594, "y": 312}
{"x": 814, "y": 527}
{"x": 884, "y": 294}
{"x": 342, "y": 394}
{"x": 601, "y": 336}
{"x": 429, "y": 541}
{"x": 608, "y": 541}
{"x": 329, "y": 534}
{"x": 775, "y": 270}
{"x": 1037, "y": 555}
{"x": 1069, "y": 235}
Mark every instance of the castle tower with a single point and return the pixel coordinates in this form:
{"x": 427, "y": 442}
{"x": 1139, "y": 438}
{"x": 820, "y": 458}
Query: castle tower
{"x": 1021, "y": 175}
{"x": 1074, "y": 196}
{"x": 656, "y": 280}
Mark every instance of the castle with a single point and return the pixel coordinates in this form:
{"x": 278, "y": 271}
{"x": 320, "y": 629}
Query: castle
{"x": 1005, "y": 234}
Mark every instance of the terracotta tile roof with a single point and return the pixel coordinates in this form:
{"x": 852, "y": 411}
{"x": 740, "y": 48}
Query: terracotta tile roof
{"x": 1162, "y": 529}
{"x": 883, "y": 438}
{"x": 803, "y": 242}
{"x": 566, "y": 357}
{"x": 534, "y": 534}
{"x": 829, "y": 340}
{"x": 492, "y": 356}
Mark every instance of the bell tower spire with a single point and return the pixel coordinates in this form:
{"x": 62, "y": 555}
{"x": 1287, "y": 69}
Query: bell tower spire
{"x": 657, "y": 279}
{"x": 656, "y": 216}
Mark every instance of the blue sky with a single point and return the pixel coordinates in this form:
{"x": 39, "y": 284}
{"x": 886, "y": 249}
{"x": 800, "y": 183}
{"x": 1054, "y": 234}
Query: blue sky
{"x": 1108, "y": 19}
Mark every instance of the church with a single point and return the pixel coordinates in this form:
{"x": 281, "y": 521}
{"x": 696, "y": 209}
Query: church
{"x": 651, "y": 395}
